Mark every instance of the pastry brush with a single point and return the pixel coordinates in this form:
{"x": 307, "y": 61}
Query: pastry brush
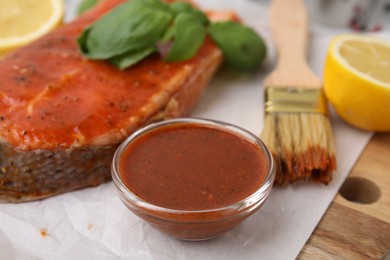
{"x": 297, "y": 129}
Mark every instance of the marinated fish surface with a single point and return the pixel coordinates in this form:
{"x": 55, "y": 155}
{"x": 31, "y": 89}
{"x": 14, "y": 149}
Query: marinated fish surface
{"x": 62, "y": 116}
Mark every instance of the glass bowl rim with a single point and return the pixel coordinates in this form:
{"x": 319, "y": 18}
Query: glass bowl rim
{"x": 260, "y": 194}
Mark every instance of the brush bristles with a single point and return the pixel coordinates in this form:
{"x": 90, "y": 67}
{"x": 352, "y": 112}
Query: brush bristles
{"x": 302, "y": 146}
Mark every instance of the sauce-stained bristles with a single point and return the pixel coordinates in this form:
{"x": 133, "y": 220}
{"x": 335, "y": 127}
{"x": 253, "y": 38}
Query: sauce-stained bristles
{"x": 302, "y": 146}
{"x": 296, "y": 129}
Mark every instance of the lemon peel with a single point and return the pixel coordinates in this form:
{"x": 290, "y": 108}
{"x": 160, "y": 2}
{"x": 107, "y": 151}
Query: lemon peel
{"x": 357, "y": 80}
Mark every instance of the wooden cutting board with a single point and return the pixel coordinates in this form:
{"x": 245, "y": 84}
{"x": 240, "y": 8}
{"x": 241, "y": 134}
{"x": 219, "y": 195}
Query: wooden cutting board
{"x": 357, "y": 223}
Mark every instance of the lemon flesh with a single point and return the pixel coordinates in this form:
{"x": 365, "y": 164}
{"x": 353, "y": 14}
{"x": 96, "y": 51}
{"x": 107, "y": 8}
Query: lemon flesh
{"x": 357, "y": 80}
{"x": 22, "y": 21}
{"x": 370, "y": 58}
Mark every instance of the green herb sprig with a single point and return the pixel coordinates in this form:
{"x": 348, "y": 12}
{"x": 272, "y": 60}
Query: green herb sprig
{"x": 135, "y": 29}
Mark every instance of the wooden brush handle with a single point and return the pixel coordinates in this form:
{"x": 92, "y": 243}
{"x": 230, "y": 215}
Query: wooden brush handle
{"x": 289, "y": 26}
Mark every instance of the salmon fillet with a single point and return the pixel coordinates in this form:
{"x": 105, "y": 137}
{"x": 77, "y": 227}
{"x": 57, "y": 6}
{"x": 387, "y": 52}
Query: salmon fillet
{"x": 62, "y": 116}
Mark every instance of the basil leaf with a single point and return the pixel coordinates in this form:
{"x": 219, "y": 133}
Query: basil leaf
{"x": 85, "y": 5}
{"x": 183, "y": 7}
{"x": 82, "y": 40}
{"x": 168, "y": 35}
{"x": 154, "y": 4}
{"x": 243, "y": 49}
{"x": 129, "y": 26}
{"x": 135, "y": 29}
{"x": 189, "y": 36}
{"x": 128, "y": 59}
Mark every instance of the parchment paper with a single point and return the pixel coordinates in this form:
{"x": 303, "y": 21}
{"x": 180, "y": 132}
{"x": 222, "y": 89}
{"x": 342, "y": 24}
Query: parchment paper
{"x": 94, "y": 224}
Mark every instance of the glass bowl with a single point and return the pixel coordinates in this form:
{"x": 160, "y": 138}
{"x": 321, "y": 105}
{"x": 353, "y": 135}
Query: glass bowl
{"x": 198, "y": 224}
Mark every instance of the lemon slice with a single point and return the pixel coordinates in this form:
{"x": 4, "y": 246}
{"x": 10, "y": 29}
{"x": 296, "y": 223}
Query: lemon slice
{"x": 357, "y": 80}
{"x": 22, "y": 21}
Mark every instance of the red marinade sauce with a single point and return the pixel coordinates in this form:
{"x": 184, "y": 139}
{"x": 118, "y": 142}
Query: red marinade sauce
{"x": 192, "y": 167}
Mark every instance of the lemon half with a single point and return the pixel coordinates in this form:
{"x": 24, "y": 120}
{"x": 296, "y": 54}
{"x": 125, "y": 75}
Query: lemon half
{"x": 357, "y": 80}
{"x": 22, "y": 21}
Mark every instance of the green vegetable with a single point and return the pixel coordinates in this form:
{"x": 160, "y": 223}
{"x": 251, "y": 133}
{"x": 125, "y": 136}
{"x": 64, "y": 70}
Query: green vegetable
{"x": 135, "y": 29}
{"x": 189, "y": 36}
{"x": 182, "y": 7}
{"x": 131, "y": 26}
{"x": 169, "y": 35}
{"x": 242, "y": 47}
{"x": 85, "y": 5}
{"x": 130, "y": 58}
